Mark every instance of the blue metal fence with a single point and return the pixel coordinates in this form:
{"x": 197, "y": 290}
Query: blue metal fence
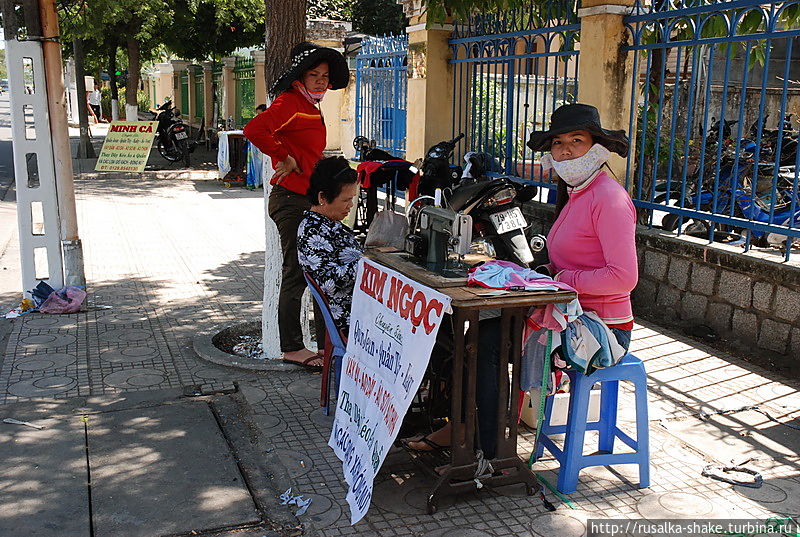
{"x": 381, "y": 92}
{"x": 715, "y": 122}
{"x": 511, "y": 70}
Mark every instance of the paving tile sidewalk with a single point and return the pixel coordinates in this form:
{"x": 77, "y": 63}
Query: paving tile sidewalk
{"x": 171, "y": 258}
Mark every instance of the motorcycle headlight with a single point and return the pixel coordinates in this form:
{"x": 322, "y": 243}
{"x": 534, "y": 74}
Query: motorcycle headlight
{"x": 501, "y": 197}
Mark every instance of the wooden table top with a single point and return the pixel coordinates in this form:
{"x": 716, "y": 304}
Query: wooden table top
{"x": 461, "y": 295}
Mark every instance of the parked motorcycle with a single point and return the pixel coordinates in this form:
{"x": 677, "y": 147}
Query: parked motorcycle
{"x": 493, "y": 203}
{"x": 742, "y": 190}
{"x": 172, "y": 135}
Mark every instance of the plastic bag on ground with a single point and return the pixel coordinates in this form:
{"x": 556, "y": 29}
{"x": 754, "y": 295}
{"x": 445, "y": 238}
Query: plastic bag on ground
{"x": 67, "y": 300}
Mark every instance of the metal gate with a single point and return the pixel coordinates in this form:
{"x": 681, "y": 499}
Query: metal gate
{"x": 382, "y": 92}
{"x": 716, "y": 151}
{"x": 510, "y": 71}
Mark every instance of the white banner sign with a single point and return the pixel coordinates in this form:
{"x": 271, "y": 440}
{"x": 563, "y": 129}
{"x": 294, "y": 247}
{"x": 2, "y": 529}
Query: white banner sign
{"x": 393, "y": 327}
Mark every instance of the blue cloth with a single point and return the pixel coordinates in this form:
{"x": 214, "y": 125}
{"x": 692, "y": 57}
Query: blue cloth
{"x": 255, "y": 166}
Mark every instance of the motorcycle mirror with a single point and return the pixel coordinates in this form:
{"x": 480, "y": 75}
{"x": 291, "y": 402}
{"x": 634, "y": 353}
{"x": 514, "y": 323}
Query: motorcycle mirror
{"x": 527, "y": 193}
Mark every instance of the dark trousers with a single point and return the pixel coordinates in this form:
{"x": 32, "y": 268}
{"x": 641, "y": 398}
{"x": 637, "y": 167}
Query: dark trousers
{"x": 96, "y": 110}
{"x": 286, "y": 210}
{"x": 487, "y": 388}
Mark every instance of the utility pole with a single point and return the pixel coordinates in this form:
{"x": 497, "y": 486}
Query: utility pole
{"x": 59, "y": 132}
{"x": 50, "y": 249}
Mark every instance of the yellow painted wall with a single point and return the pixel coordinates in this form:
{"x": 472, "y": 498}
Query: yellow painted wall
{"x": 430, "y": 91}
{"x": 331, "y": 107}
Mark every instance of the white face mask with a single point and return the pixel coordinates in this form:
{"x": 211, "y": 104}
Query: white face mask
{"x": 577, "y": 171}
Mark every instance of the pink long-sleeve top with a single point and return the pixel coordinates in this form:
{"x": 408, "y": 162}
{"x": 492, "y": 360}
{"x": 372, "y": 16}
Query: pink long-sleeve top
{"x": 592, "y": 247}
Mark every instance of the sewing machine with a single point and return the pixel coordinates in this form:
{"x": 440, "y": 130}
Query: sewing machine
{"x": 441, "y": 231}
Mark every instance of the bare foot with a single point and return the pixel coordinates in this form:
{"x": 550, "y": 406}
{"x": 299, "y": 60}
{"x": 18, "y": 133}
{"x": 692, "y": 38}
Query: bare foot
{"x": 439, "y": 438}
{"x": 300, "y": 357}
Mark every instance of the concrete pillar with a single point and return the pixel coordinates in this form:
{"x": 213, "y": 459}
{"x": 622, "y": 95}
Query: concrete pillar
{"x": 606, "y": 71}
{"x": 260, "y": 82}
{"x": 178, "y": 67}
{"x": 430, "y": 86}
{"x": 164, "y": 83}
{"x": 193, "y": 114}
{"x": 228, "y": 89}
{"x": 208, "y": 94}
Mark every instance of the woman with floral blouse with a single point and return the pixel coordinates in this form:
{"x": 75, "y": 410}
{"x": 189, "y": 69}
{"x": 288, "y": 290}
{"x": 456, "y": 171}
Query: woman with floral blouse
{"x": 326, "y": 248}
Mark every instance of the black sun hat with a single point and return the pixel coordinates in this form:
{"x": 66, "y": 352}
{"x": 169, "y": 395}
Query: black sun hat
{"x": 579, "y": 117}
{"x": 304, "y": 56}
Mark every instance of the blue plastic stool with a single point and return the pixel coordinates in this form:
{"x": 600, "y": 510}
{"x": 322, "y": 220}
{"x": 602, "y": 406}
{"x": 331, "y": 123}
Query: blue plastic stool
{"x": 571, "y": 458}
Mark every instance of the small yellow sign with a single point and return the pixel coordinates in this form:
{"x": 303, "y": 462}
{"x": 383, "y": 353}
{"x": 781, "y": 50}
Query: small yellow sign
{"x": 127, "y": 146}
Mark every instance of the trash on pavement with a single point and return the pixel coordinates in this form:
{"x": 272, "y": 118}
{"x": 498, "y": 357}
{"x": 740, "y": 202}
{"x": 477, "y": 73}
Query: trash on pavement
{"x": 13, "y": 421}
{"x": 66, "y": 300}
{"x": 287, "y": 498}
{"x": 250, "y": 347}
{"x": 719, "y": 472}
{"x": 25, "y": 306}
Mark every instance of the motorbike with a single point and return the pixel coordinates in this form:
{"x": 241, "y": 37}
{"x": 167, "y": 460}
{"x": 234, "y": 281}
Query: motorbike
{"x": 742, "y": 189}
{"x": 172, "y": 135}
{"x": 493, "y": 203}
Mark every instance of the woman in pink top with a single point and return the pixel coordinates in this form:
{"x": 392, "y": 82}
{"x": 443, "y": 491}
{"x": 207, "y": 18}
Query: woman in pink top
{"x": 592, "y": 244}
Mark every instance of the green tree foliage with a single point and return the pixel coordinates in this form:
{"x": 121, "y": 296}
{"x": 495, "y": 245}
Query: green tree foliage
{"x": 373, "y": 17}
{"x": 378, "y": 17}
{"x": 3, "y": 72}
{"x": 207, "y": 29}
{"x": 330, "y": 9}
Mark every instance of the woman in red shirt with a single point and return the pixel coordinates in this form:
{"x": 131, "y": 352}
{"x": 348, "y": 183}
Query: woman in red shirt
{"x": 292, "y": 133}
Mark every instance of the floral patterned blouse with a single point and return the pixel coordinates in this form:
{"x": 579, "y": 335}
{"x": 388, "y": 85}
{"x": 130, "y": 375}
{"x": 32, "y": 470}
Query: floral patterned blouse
{"x": 329, "y": 252}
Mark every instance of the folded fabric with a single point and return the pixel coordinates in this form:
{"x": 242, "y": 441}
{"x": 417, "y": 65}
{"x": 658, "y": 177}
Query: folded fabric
{"x": 498, "y": 274}
{"x": 534, "y": 344}
{"x": 588, "y": 344}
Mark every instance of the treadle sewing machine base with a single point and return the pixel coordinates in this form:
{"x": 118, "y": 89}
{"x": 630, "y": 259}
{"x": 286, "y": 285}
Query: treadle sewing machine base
{"x": 456, "y": 480}
{"x": 467, "y": 302}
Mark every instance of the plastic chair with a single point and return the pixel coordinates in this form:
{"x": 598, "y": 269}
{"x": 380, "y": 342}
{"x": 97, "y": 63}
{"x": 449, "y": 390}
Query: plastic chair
{"x": 571, "y": 457}
{"x": 335, "y": 345}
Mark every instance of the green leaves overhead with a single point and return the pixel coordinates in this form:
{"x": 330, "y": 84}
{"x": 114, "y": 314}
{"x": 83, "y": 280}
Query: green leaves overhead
{"x": 205, "y": 29}
{"x": 191, "y": 29}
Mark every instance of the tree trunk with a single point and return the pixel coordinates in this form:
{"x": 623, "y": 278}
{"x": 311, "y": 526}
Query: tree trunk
{"x": 85, "y": 149}
{"x": 132, "y": 87}
{"x": 112, "y": 73}
{"x": 285, "y": 28}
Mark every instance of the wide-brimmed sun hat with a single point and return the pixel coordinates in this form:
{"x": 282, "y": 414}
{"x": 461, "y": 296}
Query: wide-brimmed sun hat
{"x": 304, "y": 56}
{"x": 579, "y": 117}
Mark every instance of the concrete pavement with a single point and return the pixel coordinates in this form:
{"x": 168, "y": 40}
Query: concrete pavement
{"x": 130, "y": 449}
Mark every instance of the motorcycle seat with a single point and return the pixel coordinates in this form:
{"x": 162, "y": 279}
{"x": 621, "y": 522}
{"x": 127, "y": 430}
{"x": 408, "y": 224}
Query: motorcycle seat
{"x": 463, "y": 195}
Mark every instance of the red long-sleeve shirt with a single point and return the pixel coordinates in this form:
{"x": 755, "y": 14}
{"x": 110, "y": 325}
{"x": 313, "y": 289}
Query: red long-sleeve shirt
{"x": 290, "y": 126}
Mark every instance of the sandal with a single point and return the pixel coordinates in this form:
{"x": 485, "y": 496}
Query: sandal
{"x": 307, "y": 362}
{"x": 424, "y": 440}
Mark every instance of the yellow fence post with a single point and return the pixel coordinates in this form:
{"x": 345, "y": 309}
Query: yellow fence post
{"x": 605, "y": 70}
{"x": 260, "y": 82}
{"x": 430, "y": 86}
{"x": 208, "y": 94}
{"x": 228, "y": 90}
